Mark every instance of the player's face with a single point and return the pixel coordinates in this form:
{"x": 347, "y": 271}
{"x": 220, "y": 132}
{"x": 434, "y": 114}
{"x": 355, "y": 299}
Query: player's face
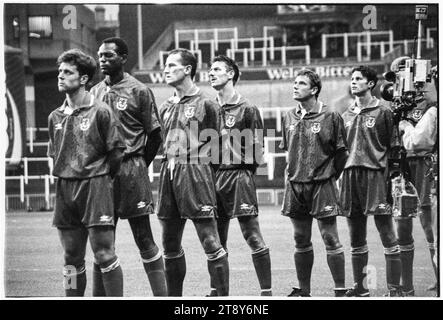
{"x": 302, "y": 89}
{"x": 69, "y": 79}
{"x": 110, "y": 61}
{"x": 175, "y": 71}
{"x": 359, "y": 84}
{"x": 220, "y": 75}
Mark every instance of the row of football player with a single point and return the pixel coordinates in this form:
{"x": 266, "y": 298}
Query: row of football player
{"x": 102, "y": 143}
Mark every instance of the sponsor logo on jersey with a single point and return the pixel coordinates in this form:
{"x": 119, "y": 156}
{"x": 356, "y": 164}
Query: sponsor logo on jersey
{"x": 189, "y": 110}
{"x": 85, "y": 124}
{"x": 58, "y": 126}
{"x": 122, "y": 104}
{"x": 417, "y": 114}
{"x": 105, "y": 218}
{"x": 315, "y": 128}
{"x": 370, "y": 122}
{"x": 230, "y": 120}
{"x": 141, "y": 204}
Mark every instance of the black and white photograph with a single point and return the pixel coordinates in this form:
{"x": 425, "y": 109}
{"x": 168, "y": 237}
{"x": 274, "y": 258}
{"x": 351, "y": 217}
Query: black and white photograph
{"x": 220, "y": 151}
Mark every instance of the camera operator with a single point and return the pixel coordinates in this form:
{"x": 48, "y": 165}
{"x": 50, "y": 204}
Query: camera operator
{"x": 418, "y": 130}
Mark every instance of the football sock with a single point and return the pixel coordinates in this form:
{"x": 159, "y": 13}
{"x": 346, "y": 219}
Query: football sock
{"x": 262, "y": 265}
{"x": 98, "y": 290}
{"x": 74, "y": 280}
{"x": 213, "y": 292}
{"x": 155, "y": 269}
{"x": 304, "y": 260}
{"x": 407, "y": 260}
{"x": 175, "y": 271}
{"x": 432, "y": 251}
{"x": 393, "y": 267}
{"x": 112, "y": 276}
{"x": 218, "y": 268}
{"x": 336, "y": 263}
{"x": 359, "y": 259}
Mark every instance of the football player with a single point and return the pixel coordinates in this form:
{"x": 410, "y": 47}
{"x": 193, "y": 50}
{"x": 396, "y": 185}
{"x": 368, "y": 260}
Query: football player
{"x": 315, "y": 139}
{"x": 235, "y": 186}
{"x": 86, "y": 145}
{"x": 134, "y": 105}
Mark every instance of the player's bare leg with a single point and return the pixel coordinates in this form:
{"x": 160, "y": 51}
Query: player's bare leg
{"x": 74, "y": 245}
{"x": 150, "y": 254}
{"x": 359, "y": 255}
{"x": 102, "y": 241}
{"x": 406, "y": 243}
{"x": 223, "y": 229}
{"x": 175, "y": 262}
{"x": 388, "y": 238}
{"x": 260, "y": 252}
{"x": 218, "y": 266}
{"x": 334, "y": 253}
{"x": 303, "y": 256}
{"x": 426, "y": 220}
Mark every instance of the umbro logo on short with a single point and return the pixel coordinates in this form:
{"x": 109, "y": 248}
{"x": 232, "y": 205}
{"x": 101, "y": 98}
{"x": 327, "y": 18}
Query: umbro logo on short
{"x": 207, "y": 208}
{"x": 105, "y": 218}
{"x": 245, "y": 206}
{"x": 329, "y": 208}
{"x": 382, "y": 206}
{"x": 141, "y": 204}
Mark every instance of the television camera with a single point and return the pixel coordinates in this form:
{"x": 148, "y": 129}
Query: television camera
{"x": 405, "y": 82}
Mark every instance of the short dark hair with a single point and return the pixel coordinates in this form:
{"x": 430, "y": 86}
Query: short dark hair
{"x": 368, "y": 73}
{"x": 85, "y": 64}
{"x": 122, "y": 46}
{"x": 313, "y": 78}
{"x": 231, "y": 64}
{"x": 187, "y": 58}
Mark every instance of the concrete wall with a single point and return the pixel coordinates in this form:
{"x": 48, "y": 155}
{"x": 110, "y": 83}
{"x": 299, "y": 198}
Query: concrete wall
{"x": 82, "y": 36}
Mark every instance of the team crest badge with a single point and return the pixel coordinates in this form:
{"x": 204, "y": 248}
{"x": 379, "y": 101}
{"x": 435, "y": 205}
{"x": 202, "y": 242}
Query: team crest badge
{"x": 122, "y": 104}
{"x": 189, "y": 111}
{"x": 315, "y": 128}
{"x": 291, "y": 127}
{"x": 230, "y": 120}
{"x": 417, "y": 114}
{"x": 348, "y": 123}
{"x": 370, "y": 122}
{"x": 85, "y": 124}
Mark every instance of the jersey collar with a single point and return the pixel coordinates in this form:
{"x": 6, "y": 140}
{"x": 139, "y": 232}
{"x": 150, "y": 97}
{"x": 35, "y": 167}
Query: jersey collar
{"x": 87, "y": 102}
{"x": 190, "y": 93}
{"x": 373, "y": 103}
{"x": 235, "y": 100}
{"x": 123, "y": 81}
{"x": 301, "y": 112}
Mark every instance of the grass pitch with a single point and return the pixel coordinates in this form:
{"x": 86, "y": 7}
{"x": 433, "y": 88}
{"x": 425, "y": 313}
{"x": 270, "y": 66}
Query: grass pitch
{"x": 34, "y": 259}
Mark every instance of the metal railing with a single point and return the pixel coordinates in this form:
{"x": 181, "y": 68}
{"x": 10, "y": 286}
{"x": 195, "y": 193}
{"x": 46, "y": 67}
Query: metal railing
{"x": 264, "y": 51}
{"x": 346, "y": 36}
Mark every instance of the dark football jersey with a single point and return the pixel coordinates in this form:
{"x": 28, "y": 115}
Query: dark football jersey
{"x": 312, "y": 140}
{"x": 134, "y": 105}
{"x": 242, "y": 134}
{"x": 191, "y": 128}
{"x": 370, "y": 133}
{"x": 80, "y": 139}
